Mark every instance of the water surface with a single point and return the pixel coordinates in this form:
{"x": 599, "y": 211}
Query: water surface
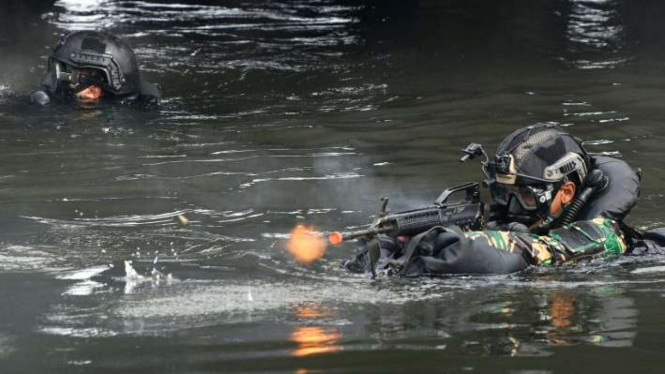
{"x": 280, "y": 113}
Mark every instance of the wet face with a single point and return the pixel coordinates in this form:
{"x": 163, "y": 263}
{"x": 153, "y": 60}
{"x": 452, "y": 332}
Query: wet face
{"x": 88, "y": 86}
{"x": 89, "y": 94}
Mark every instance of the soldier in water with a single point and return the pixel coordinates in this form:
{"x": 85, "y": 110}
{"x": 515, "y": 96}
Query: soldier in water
{"x": 553, "y": 203}
{"x": 90, "y": 67}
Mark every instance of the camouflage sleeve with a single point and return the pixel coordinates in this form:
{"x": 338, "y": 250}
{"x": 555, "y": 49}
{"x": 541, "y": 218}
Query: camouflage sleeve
{"x": 534, "y": 248}
{"x": 597, "y": 237}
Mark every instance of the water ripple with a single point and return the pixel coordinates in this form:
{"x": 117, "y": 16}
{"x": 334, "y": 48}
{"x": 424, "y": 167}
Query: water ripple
{"x": 168, "y": 218}
{"x": 348, "y": 175}
{"x": 595, "y": 34}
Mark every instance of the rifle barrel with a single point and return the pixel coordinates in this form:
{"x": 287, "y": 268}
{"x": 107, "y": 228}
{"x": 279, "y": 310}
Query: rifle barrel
{"x": 337, "y": 237}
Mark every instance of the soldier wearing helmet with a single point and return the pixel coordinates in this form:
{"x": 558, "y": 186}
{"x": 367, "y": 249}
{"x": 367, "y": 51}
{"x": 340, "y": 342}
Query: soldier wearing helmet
{"x": 89, "y": 66}
{"x": 553, "y": 203}
{"x": 536, "y": 172}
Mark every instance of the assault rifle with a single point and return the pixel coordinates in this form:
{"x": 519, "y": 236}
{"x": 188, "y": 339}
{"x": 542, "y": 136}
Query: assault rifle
{"x": 466, "y": 213}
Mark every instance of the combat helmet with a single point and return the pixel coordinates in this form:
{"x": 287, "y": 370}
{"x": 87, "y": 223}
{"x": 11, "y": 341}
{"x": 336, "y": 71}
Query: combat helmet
{"x": 532, "y": 163}
{"x": 99, "y": 51}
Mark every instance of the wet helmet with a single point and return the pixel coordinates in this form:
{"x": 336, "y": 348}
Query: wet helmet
{"x": 530, "y": 166}
{"x": 99, "y": 52}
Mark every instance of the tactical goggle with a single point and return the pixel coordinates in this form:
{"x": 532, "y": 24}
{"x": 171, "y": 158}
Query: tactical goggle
{"x": 79, "y": 79}
{"x": 530, "y": 198}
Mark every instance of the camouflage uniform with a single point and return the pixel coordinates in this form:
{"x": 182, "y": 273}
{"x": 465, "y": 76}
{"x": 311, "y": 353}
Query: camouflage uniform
{"x": 600, "y": 236}
{"x": 452, "y": 251}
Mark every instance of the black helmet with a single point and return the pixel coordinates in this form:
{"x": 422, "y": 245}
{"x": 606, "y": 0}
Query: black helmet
{"x": 531, "y": 164}
{"x": 98, "y": 51}
{"x": 542, "y": 153}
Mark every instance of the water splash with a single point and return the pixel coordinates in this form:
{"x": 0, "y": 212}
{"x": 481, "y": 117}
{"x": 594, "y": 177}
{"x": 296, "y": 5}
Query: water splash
{"x": 132, "y": 278}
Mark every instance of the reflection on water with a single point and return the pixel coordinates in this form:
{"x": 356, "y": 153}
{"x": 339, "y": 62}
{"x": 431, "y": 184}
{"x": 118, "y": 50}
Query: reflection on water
{"x": 310, "y": 337}
{"x": 562, "y": 308}
{"x": 6, "y": 346}
{"x": 564, "y": 316}
{"x": 315, "y": 340}
{"x": 606, "y": 318}
{"x": 595, "y": 34}
{"x": 84, "y": 14}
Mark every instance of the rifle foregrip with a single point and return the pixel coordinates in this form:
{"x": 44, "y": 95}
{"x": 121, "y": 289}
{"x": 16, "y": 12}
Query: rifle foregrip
{"x": 414, "y": 222}
{"x": 418, "y": 221}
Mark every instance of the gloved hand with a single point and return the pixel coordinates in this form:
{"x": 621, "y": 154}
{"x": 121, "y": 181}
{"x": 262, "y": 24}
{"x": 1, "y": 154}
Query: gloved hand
{"x": 39, "y": 97}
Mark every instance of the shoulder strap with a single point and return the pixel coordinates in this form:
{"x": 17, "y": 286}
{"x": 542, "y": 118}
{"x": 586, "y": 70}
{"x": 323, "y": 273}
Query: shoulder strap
{"x": 411, "y": 247}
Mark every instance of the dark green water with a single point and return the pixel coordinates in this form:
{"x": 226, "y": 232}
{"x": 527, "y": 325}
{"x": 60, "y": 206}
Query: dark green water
{"x": 285, "y": 112}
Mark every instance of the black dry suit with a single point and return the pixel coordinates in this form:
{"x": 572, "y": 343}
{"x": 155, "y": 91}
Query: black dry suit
{"x": 120, "y": 80}
{"x": 504, "y": 248}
